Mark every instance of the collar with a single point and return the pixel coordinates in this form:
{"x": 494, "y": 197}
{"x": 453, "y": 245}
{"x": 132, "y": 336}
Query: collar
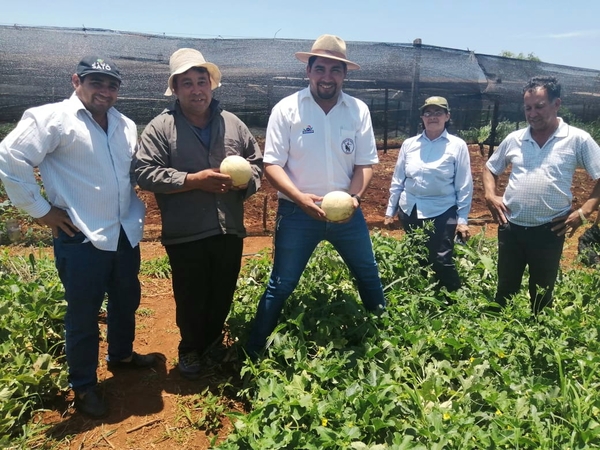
{"x": 305, "y": 93}
{"x": 561, "y": 131}
{"x": 76, "y": 105}
{"x": 444, "y": 135}
{"x": 214, "y": 107}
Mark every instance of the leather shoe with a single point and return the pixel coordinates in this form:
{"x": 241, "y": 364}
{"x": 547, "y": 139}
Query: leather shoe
{"x": 91, "y": 404}
{"x": 137, "y": 362}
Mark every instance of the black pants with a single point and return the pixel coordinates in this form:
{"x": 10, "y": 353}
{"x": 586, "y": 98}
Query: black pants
{"x": 440, "y": 245}
{"x": 540, "y": 248}
{"x": 204, "y": 275}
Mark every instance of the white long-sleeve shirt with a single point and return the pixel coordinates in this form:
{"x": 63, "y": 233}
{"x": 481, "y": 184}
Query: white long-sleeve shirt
{"x": 434, "y": 175}
{"x": 85, "y": 170}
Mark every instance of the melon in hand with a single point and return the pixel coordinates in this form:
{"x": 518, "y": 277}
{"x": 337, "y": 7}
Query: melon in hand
{"x": 238, "y": 169}
{"x": 338, "y": 206}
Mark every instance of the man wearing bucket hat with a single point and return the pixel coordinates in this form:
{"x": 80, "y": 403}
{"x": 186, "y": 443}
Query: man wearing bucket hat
{"x": 318, "y": 140}
{"x": 432, "y": 182}
{"x": 202, "y": 212}
{"x": 84, "y": 150}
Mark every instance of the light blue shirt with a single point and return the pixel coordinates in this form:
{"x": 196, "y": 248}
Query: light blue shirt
{"x": 85, "y": 170}
{"x": 433, "y": 175}
{"x": 539, "y": 185}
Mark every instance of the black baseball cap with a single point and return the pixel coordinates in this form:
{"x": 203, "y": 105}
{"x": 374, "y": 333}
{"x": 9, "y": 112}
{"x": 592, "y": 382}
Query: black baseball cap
{"x": 95, "y": 64}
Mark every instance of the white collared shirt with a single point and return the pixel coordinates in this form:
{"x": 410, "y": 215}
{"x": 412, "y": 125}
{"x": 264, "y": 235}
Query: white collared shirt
{"x": 433, "y": 175}
{"x": 539, "y": 185}
{"x": 318, "y": 151}
{"x": 85, "y": 170}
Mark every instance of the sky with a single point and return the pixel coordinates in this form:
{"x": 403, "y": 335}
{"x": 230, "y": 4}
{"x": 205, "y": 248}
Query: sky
{"x": 556, "y": 32}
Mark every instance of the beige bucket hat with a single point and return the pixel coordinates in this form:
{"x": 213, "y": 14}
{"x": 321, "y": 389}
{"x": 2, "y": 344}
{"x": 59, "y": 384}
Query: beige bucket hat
{"x": 184, "y": 59}
{"x": 328, "y": 46}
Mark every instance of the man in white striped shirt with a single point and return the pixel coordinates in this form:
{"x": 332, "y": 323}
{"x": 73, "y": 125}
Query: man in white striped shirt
{"x": 83, "y": 148}
{"x": 536, "y": 211}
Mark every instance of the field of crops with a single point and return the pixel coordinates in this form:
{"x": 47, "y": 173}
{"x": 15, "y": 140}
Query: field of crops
{"x": 423, "y": 375}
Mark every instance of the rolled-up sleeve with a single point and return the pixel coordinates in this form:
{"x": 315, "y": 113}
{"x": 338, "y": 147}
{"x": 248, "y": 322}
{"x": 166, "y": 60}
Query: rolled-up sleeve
{"x": 20, "y": 152}
{"x": 463, "y": 183}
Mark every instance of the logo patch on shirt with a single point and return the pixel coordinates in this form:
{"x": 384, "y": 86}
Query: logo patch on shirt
{"x": 308, "y": 130}
{"x": 348, "y": 146}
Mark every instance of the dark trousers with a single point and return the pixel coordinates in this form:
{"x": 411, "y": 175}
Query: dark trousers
{"x": 440, "y": 245}
{"x": 204, "y": 274}
{"x": 540, "y": 248}
{"x": 87, "y": 275}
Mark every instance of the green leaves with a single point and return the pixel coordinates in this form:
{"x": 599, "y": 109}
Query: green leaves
{"x": 422, "y": 375}
{"x": 31, "y": 342}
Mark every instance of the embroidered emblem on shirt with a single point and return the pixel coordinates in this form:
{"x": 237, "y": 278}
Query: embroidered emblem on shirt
{"x": 308, "y": 130}
{"x": 348, "y": 146}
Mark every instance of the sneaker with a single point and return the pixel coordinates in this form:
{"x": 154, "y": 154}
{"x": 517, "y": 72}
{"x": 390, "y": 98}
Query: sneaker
{"x": 91, "y": 404}
{"x": 189, "y": 365}
{"x": 216, "y": 352}
{"x": 137, "y": 362}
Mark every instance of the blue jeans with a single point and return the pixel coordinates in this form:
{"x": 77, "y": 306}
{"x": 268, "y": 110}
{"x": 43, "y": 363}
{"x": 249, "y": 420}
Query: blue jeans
{"x": 87, "y": 275}
{"x": 296, "y": 237}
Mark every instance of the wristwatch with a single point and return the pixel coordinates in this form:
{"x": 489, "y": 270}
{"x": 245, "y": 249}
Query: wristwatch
{"x": 357, "y": 197}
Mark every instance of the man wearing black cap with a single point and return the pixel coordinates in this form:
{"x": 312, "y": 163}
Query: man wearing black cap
{"x": 84, "y": 149}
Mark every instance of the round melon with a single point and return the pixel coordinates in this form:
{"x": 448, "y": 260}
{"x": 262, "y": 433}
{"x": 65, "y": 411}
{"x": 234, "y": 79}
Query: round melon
{"x": 238, "y": 169}
{"x": 338, "y": 205}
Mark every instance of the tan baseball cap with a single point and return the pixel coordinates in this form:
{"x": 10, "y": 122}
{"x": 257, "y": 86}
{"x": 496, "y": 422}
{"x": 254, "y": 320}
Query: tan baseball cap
{"x": 436, "y": 101}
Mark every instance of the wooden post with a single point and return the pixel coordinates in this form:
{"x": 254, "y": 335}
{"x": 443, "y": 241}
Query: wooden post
{"x": 414, "y": 113}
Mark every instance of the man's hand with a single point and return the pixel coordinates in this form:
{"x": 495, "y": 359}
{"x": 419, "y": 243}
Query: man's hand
{"x": 58, "y": 218}
{"x": 567, "y": 224}
{"x": 308, "y": 204}
{"x": 388, "y": 222}
{"x": 497, "y": 208}
{"x": 463, "y": 231}
{"x": 209, "y": 180}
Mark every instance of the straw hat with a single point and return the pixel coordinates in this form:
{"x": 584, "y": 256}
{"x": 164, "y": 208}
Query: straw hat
{"x": 184, "y": 59}
{"x": 328, "y": 46}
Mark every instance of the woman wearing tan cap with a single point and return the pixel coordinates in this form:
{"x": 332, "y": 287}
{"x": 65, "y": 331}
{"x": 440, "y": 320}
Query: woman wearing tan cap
{"x": 432, "y": 182}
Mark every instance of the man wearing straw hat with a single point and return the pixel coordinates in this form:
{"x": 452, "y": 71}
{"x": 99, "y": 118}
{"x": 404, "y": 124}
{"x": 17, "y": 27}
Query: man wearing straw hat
{"x": 202, "y": 212}
{"x": 318, "y": 140}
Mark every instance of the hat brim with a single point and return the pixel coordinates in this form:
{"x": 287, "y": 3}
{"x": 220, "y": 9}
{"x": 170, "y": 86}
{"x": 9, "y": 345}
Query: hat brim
{"x": 433, "y": 104}
{"x": 305, "y": 56}
{"x": 213, "y": 72}
{"x": 101, "y": 72}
